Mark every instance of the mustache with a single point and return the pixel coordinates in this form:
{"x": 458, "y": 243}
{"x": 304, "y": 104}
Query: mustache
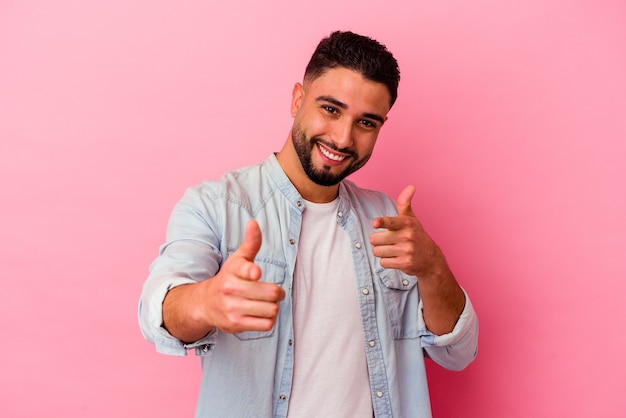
{"x": 333, "y": 146}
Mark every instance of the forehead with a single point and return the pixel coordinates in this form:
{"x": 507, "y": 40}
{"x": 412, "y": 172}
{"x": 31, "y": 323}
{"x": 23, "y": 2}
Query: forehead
{"x": 352, "y": 89}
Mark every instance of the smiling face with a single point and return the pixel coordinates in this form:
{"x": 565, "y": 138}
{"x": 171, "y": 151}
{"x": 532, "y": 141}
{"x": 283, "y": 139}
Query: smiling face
{"x": 337, "y": 119}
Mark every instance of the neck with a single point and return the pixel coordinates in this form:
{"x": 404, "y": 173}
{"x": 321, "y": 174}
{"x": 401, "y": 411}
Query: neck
{"x": 309, "y": 190}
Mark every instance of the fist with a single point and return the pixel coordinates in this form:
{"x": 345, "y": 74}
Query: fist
{"x": 236, "y": 300}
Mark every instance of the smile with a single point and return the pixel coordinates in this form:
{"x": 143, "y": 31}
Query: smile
{"x": 330, "y": 155}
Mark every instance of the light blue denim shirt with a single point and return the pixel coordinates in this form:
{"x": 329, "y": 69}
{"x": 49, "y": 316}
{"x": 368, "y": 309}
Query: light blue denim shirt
{"x": 250, "y": 374}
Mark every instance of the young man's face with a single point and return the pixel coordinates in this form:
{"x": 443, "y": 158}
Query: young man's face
{"x": 337, "y": 119}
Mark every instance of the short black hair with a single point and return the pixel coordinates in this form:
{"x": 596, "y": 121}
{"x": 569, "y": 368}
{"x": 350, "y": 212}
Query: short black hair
{"x": 359, "y": 53}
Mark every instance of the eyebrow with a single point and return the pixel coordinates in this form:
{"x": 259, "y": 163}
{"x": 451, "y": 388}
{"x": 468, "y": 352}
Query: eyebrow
{"x": 342, "y": 105}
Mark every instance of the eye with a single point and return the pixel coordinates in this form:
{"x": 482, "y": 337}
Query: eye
{"x": 330, "y": 109}
{"x": 367, "y": 123}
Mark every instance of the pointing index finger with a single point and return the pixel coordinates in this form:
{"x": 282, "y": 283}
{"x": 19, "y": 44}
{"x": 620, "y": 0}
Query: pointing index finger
{"x": 389, "y": 222}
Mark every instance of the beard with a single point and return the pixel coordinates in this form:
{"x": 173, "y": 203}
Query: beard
{"x": 323, "y": 176}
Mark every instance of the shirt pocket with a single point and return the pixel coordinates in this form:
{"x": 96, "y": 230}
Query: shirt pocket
{"x": 272, "y": 272}
{"x": 400, "y": 295}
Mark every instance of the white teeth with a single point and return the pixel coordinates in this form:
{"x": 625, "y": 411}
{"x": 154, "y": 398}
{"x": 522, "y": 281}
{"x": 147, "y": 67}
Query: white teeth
{"x": 330, "y": 155}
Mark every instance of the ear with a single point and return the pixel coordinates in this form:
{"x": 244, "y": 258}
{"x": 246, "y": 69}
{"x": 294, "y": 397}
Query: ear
{"x": 297, "y": 96}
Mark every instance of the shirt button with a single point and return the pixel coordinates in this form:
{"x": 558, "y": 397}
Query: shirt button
{"x": 379, "y": 394}
{"x": 358, "y": 245}
{"x": 405, "y": 282}
{"x": 366, "y": 291}
{"x": 372, "y": 343}
{"x": 282, "y": 397}
{"x": 291, "y": 241}
{"x": 299, "y": 203}
{"x": 205, "y": 348}
{"x": 290, "y": 342}
{"x": 340, "y": 214}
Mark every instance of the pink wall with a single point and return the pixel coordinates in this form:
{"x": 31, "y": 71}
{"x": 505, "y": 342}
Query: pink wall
{"x": 511, "y": 121}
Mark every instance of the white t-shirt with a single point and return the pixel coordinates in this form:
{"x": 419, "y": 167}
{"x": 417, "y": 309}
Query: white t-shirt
{"x": 330, "y": 371}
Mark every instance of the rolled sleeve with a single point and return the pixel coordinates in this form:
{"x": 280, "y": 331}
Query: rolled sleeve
{"x": 457, "y": 349}
{"x": 151, "y": 317}
{"x": 151, "y": 324}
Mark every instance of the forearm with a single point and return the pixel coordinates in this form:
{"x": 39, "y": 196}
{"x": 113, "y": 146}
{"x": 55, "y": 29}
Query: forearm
{"x": 443, "y": 299}
{"x": 180, "y": 314}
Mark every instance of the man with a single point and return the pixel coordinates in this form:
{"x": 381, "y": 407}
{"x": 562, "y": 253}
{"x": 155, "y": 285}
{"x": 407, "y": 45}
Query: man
{"x": 304, "y": 294}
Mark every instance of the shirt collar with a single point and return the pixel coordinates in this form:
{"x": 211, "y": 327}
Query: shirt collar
{"x": 287, "y": 188}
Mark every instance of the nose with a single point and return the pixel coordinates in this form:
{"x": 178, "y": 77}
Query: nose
{"x": 342, "y": 134}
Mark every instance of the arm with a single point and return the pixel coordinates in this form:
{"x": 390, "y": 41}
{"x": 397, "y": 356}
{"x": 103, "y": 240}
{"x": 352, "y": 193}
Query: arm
{"x": 231, "y": 301}
{"x": 175, "y": 300}
{"x": 404, "y": 245}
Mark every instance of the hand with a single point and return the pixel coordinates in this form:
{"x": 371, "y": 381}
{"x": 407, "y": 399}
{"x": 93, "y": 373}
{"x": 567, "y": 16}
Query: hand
{"x": 405, "y": 245}
{"x": 235, "y": 300}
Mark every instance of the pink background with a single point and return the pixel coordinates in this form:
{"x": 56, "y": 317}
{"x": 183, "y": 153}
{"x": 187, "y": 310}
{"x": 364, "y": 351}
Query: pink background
{"x": 511, "y": 121}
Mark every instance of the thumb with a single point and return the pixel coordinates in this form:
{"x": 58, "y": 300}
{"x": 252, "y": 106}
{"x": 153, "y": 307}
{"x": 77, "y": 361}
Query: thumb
{"x": 251, "y": 242}
{"x": 404, "y": 201}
